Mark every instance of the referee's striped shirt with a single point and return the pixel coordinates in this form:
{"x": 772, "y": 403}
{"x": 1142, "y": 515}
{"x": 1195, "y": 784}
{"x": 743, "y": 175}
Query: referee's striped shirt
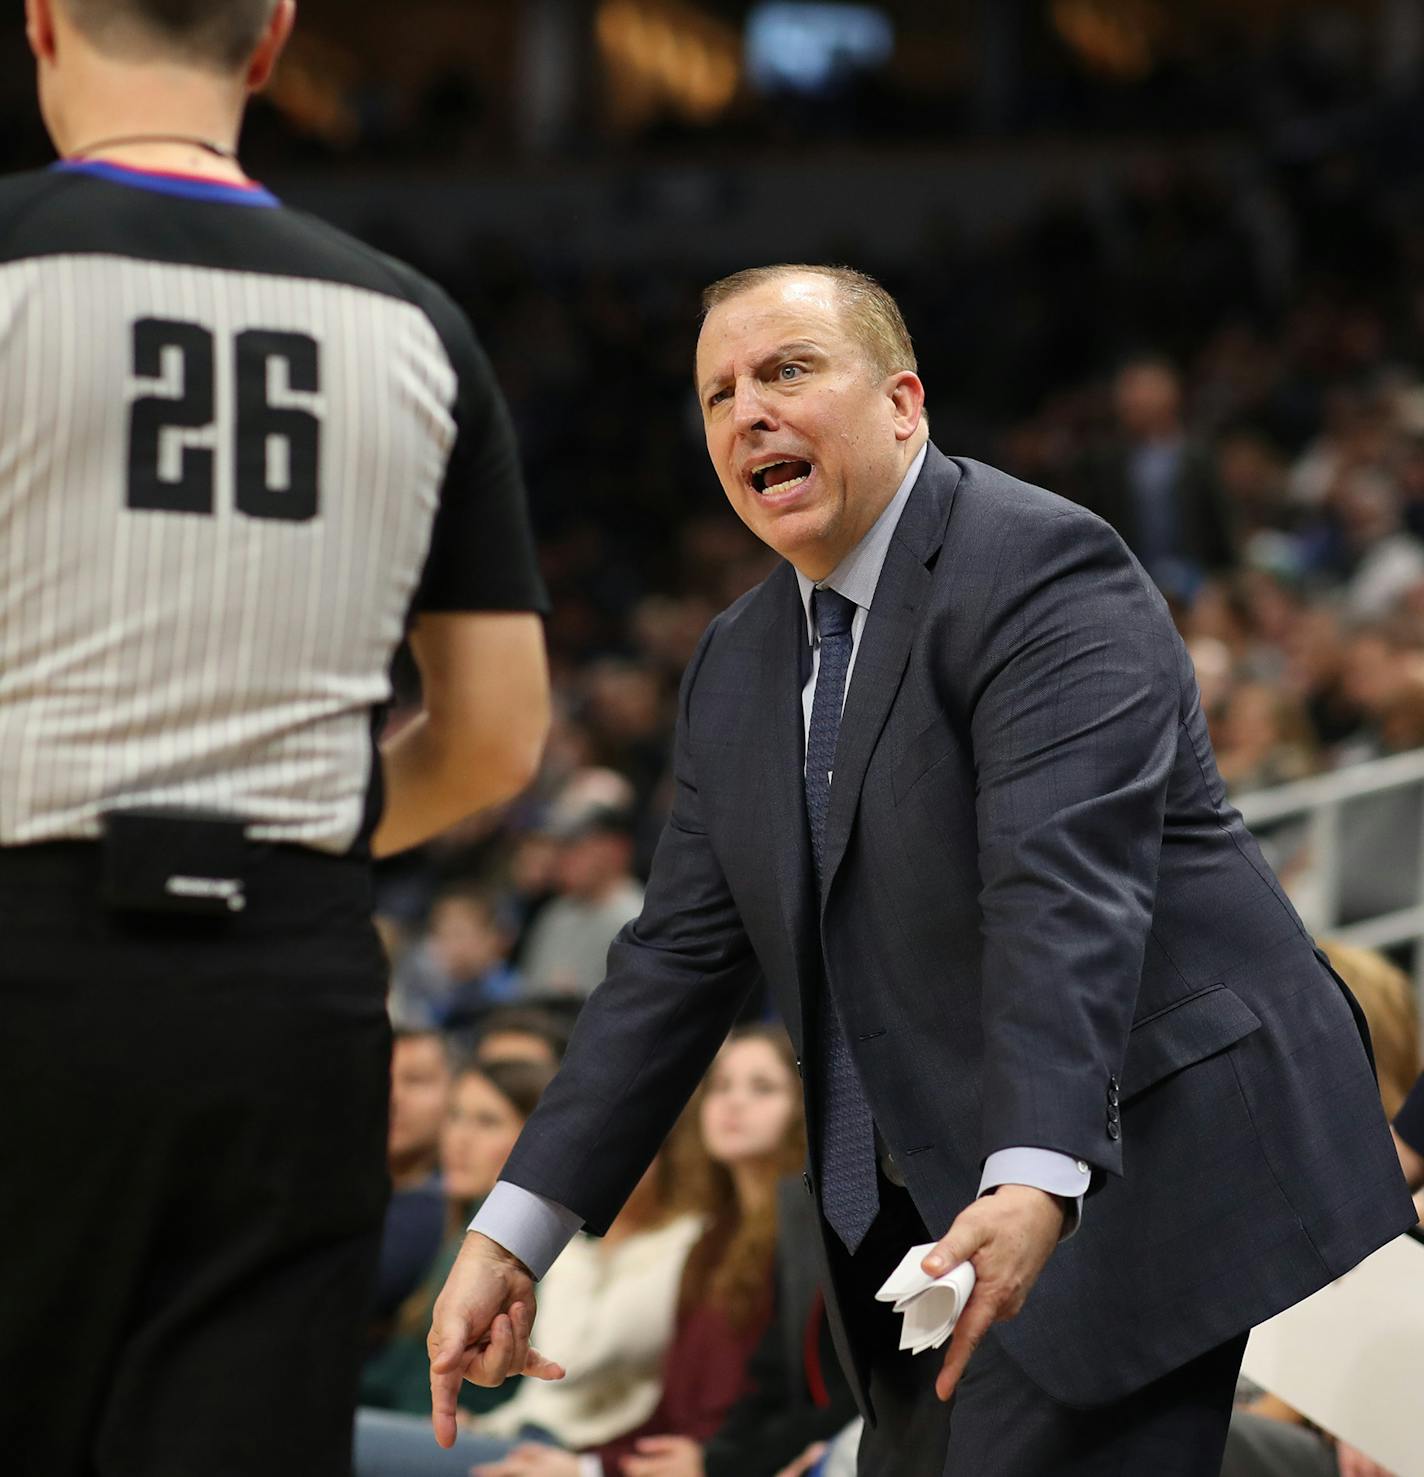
{"x": 237, "y": 450}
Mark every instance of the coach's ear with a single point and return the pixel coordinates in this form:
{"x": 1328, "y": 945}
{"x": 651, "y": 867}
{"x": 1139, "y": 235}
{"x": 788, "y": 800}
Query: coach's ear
{"x": 269, "y": 48}
{"x": 39, "y": 28}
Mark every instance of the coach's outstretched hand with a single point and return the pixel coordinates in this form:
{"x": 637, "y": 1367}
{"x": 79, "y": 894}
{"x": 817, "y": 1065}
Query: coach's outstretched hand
{"x": 480, "y": 1329}
{"x": 1008, "y": 1235}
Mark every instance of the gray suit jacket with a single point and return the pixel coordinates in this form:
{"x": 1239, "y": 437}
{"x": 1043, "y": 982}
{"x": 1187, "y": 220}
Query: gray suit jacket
{"x": 1043, "y": 925}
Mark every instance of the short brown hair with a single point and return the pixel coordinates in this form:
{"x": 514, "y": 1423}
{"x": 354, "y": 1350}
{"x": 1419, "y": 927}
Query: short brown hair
{"x": 220, "y": 34}
{"x": 873, "y": 314}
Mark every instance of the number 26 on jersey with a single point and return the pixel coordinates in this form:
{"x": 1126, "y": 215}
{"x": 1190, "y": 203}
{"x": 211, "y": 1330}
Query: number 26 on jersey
{"x": 276, "y": 449}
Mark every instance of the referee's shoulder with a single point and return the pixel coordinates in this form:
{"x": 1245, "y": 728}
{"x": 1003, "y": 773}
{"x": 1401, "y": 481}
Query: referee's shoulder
{"x": 22, "y": 197}
{"x": 380, "y": 272}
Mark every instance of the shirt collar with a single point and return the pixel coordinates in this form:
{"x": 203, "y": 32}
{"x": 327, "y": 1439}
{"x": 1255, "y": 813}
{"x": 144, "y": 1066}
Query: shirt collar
{"x": 857, "y": 575}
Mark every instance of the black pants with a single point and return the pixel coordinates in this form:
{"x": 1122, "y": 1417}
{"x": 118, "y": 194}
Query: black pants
{"x": 999, "y": 1424}
{"x": 192, "y": 1173}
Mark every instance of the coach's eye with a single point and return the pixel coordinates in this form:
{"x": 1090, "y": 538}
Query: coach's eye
{"x": 719, "y": 396}
{"x": 790, "y": 371}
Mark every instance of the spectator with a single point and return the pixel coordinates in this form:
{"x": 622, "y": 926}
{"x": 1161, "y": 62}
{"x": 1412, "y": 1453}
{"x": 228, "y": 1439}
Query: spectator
{"x": 463, "y": 965}
{"x": 415, "y": 1217}
{"x": 488, "y": 1107}
{"x": 797, "y": 1389}
{"x": 1314, "y": 672}
{"x": 1253, "y": 479}
{"x": 629, "y": 720}
{"x": 1377, "y": 668}
{"x": 597, "y": 894}
{"x": 521, "y": 1034}
{"x": 1155, "y": 485}
{"x": 529, "y": 881}
{"x": 748, "y": 1114}
{"x": 1385, "y": 561}
{"x": 607, "y": 1307}
{"x": 1263, "y": 738}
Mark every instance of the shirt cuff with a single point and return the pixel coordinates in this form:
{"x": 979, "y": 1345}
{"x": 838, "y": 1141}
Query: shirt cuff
{"x": 1043, "y": 1169}
{"x": 527, "y": 1225}
{"x": 590, "y": 1465}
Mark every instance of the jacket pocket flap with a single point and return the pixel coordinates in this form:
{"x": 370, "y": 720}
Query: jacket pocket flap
{"x": 1187, "y": 1032}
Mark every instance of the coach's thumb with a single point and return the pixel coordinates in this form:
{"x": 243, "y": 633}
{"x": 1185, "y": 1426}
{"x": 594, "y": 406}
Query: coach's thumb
{"x": 448, "y": 1336}
{"x": 957, "y": 1245}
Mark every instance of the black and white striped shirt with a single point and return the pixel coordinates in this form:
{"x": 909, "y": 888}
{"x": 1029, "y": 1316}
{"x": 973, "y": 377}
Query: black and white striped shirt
{"x": 237, "y": 449}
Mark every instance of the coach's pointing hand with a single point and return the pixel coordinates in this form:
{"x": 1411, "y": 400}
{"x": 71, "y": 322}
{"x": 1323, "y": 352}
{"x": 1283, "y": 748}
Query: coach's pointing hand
{"x": 1008, "y": 1235}
{"x": 480, "y": 1329}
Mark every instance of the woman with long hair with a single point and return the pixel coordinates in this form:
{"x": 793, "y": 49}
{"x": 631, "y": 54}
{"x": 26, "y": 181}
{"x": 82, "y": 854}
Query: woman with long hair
{"x": 742, "y": 1134}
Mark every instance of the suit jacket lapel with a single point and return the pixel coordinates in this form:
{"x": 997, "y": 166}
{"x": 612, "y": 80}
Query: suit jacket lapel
{"x": 885, "y": 645}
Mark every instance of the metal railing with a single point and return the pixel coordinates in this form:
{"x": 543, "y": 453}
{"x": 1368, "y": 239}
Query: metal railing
{"x": 1319, "y": 804}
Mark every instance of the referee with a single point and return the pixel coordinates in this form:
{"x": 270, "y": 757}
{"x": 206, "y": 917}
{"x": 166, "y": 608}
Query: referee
{"x": 241, "y": 455}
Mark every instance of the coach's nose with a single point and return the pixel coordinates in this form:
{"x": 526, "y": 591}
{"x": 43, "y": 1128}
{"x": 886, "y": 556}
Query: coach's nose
{"x": 750, "y": 408}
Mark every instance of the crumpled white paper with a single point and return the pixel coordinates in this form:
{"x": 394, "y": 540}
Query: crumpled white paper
{"x": 929, "y": 1305}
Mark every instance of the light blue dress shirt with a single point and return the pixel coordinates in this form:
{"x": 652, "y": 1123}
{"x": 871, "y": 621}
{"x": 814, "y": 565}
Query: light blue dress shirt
{"x": 536, "y": 1229}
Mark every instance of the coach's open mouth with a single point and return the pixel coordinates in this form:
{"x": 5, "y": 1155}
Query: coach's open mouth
{"x": 780, "y": 476}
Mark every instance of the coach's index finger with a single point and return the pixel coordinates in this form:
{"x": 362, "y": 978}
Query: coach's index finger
{"x": 449, "y": 1352}
{"x": 974, "y": 1323}
{"x": 452, "y": 1357}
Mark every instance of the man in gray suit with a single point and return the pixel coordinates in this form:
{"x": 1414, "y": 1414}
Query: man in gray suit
{"x": 943, "y": 779}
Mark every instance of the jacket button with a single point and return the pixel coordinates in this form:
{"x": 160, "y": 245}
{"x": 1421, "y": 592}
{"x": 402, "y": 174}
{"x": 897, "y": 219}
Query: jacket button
{"x": 1114, "y": 1129}
{"x": 806, "y": 1180}
{"x": 1114, "y": 1097}
{"x": 799, "y": 1072}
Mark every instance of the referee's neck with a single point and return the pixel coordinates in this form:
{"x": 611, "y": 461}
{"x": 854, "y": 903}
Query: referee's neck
{"x": 158, "y": 118}
{"x": 153, "y": 111}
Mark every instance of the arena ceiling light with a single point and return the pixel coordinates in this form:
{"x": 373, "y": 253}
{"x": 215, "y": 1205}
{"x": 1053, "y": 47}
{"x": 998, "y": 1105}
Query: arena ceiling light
{"x": 815, "y": 48}
{"x": 663, "y": 54}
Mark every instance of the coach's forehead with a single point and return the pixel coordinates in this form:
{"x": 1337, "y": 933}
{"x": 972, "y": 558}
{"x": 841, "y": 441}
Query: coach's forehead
{"x": 798, "y": 305}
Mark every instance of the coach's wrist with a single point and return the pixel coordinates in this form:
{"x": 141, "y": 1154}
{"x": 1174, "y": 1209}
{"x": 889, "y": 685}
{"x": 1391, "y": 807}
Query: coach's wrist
{"x": 486, "y": 1247}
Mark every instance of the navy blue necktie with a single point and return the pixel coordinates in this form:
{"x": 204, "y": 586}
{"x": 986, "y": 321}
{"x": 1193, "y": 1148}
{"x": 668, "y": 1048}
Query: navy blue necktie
{"x": 850, "y": 1196}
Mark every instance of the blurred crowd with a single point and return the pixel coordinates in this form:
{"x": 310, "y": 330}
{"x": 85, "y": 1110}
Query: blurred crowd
{"x": 1228, "y": 367}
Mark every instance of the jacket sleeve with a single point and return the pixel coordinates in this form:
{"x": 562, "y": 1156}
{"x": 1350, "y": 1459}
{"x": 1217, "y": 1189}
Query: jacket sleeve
{"x": 678, "y": 975}
{"x": 1074, "y": 728}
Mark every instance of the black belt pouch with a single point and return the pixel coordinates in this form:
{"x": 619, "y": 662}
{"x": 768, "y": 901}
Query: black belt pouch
{"x": 171, "y": 861}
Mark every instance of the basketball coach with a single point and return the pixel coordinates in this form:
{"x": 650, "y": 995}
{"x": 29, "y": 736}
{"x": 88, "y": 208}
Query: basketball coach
{"x": 944, "y": 779}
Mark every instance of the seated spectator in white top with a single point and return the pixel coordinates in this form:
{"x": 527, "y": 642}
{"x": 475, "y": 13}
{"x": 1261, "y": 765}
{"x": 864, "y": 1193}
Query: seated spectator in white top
{"x": 606, "y": 1307}
{"x": 612, "y": 1300}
